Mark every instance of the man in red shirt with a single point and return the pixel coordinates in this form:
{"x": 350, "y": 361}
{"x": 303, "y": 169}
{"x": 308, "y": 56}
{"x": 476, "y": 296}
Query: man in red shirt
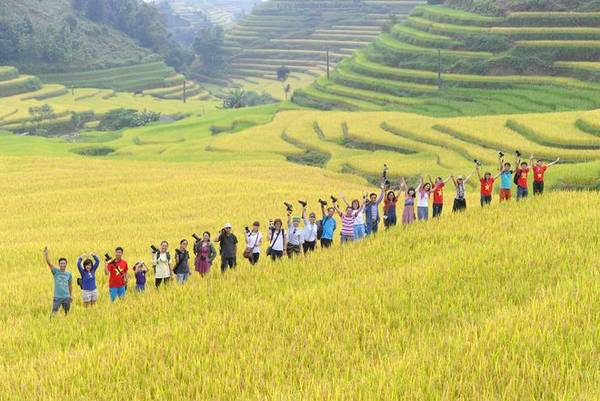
{"x": 538, "y": 175}
{"x": 117, "y": 275}
{"x": 487, "y": 186}
{"x": 438, "y": 194}
{"x": 522, "y": 181}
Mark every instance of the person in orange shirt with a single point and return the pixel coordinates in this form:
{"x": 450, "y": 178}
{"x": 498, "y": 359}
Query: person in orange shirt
{"x": 538, "y": 175}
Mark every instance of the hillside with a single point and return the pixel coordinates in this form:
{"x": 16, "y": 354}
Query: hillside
{"x": 433, "y": 311}
{"x": 62, "y": 39}
{"x": 494, "y": 7}
{"x": 297, "y": 34}
{"x": 524, "y": 62}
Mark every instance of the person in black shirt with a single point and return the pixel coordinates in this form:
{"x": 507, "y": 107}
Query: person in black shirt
{"x": 227, "y": 248}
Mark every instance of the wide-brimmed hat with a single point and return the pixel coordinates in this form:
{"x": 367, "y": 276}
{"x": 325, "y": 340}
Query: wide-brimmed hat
{"x": 227, "y": 225}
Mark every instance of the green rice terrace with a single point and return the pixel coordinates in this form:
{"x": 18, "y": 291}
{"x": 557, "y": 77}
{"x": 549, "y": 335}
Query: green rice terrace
{"x": 446, "y": 62}
{"x": 297, "y": 34}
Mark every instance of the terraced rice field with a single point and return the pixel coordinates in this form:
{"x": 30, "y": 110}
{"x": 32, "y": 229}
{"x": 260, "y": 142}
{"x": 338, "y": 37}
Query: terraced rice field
{"x": 19, "y": 93}
{"x": 298, "y": 34}
{"x": 441, "y": 48}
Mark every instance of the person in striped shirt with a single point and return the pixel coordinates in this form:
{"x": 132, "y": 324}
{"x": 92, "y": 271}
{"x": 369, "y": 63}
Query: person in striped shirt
{"x": 348, "y": 220}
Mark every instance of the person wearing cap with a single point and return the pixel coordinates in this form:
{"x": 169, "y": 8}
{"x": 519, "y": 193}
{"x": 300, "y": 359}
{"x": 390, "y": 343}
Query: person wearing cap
{"x": 295, "y": 235}
{"x": 310, "y": 231}
{"x": 253, "y": 243}
{"x": 227, "y": 248}
{"x": 460, "y": 200}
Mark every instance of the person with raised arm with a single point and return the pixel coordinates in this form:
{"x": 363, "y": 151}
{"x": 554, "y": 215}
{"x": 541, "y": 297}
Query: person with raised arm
{"x": 539, "y": 170}
{"x": 328, "y": 223}
{"x": 254, "y": 240}
{"x": 295, "y": 236}
{"x": 487, "y": 185}
{"x": 505, "y": 178}
{"x": 63, "y": 284}
{"x": 372, "y": 211}
{"x": 423, "y": 193}
{"x": 227, "y": 248}
{"x": 87, "y": 270}
{"x": 438, "y": 195}
{"x": 358, "y": 227}
{"x": 116, "y": 268}
{"x": 521, "y": 176}
{"x": 460, "y": 200}
{"x": 348, "y": 220}
{"x": 390, "y": 216}
{"x": 408, "y": 213}
{"x": 310, "y": 230}
{"x": 161, "y": 261}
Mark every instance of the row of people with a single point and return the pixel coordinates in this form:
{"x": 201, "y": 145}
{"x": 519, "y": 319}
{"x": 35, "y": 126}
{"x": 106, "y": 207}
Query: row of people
{"x": 304, "y": 233}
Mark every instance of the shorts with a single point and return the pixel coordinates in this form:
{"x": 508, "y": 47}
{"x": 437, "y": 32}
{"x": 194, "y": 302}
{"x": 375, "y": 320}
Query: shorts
{"x": 522, "y": 193}
{"x": 485, "y": 200}
{"x": 182, "y": 277}
{"x": 326, "y": 242}
{"x": 89, "y": 295}
{"x": 538, "y": 187}
{"x": 422, "y": 212}
{"x": 293, "y": 250}
{"x": 309, "y": 246}
{"x": 65, "y": 303}
{"x": 359, "y": 231}
{"x": 505, "y": 194}
{"x": 347, "y": 238}
{"x": 437, "y": 209}
{"x": 116, "y": 292}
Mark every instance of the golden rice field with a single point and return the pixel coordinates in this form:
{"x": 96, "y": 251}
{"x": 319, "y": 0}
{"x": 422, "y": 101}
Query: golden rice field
{"x": 499, "y": 304}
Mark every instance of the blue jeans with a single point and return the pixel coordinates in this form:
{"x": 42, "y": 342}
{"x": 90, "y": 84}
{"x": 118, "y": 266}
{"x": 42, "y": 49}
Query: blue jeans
{"x": 522, "y": 192}
{"x": 116, "y": 292}
{"x": 422, "y": 213}
{"x": 359, "y": 231}
{"x": 437, "y": 209}
{"x": 371, "y": 227}
{"x": 346, "y": 238}
{"x": 182, "y": 277}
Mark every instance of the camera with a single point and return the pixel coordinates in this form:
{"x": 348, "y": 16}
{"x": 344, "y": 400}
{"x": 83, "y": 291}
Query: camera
{"x": 334, "y": 199}
{"x": 303, "y": 203}
{"x": 384, "y": 176}
{"x": 478, "y": 162}
{"x": 270, "y": 223}
{"x": 501, "y": 154}
{"x": 323, "y": 202}
{"x": 107, "y": 257}
{"x": 288, "y": 206}
{"x": 247, "y": 229}
{"x": 153, "y": 249}
{"x": 196, "y": 237}
{"x": 518, "y": 153}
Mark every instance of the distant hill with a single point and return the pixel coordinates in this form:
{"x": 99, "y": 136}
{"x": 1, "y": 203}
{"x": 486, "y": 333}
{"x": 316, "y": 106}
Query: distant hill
{"x": 503, "y": 7}
{"x": 445, "y": 61}
{"x": 45, "y": 36}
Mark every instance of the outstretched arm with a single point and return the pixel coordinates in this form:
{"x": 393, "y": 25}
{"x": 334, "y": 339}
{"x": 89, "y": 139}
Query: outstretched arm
{"x": 430, "y": 181}
{"x": 497, "y": 175}
{"x": 501, "y": 166}
{"x": 554, "y": 162}
{"x": 531, "y": 160}
{"x": 447, "y": 179}
{"x": 344, "y": 199}
{"x": 420, "y": 184}
{"x": 382, "y": 194}
{"x": 79, "y": 267}
{"x": 337, "y": 209}
{"x": 478, "y": 172}
{"x": 468, "y": 177}
{"x": 453, "y": 179}
{"x": 47, "y": 257}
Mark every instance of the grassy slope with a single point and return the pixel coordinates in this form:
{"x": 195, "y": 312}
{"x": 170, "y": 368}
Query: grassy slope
{"x": 101, "y": 45}
{"x": 439, "y": 317}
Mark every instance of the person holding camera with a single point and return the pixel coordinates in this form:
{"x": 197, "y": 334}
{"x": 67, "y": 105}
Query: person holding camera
{"x": 140, "y": 270}
{"x": 538, "y": 175}
{"x": 505, "y": 178}
{"x": 438, "y": 195}
{"x": 161, "y": 261}
{"x": 277, "y": 240}
{"x": 348, "y": 220}
{"x": 182, "y": 262}
{"x": 89, "y": 291}
{"x": 389, "y": 209}
{"x": 310, "y": 231}
{"x": 295, "y": 235}
{"x": 460, "y": 200}
{"x": 116, "y": 269}
{"x": 487, "y": 185}
{"x": 521, "y": 176}
{"x": 63, "y": 284}
{"x": 328, "y": 224}
{"x": 205, "y": 253}
{"x": 372, "y": 211}
{"x": 227, "y": 248}
{"x": 253, "y": 243}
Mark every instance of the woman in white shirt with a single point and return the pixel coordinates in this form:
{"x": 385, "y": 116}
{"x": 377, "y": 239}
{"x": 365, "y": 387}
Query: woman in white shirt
{"x": 310, "y": 231}
{"x": 423, "y": 192}
{"x": 253, "y": 243}
{"x": 277, "y": 240}
{"x": 161, "y": 261}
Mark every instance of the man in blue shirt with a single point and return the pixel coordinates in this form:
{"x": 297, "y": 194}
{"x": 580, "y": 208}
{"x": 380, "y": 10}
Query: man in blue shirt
{"x": 372, "y": 211}
{"x": 63, "y": 284}
{"x": 328, "y": 225}
{"x": 506, "y": 175}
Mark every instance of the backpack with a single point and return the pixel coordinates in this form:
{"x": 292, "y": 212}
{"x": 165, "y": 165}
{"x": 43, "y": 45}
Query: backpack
{"x": 168, "y": 256}
{"x": 320, "y": 227}
{"x": 516, "y": 177}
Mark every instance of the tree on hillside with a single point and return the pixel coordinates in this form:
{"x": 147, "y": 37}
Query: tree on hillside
{"x": 208, "y": 45}
{"x": 282, "y": 73}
